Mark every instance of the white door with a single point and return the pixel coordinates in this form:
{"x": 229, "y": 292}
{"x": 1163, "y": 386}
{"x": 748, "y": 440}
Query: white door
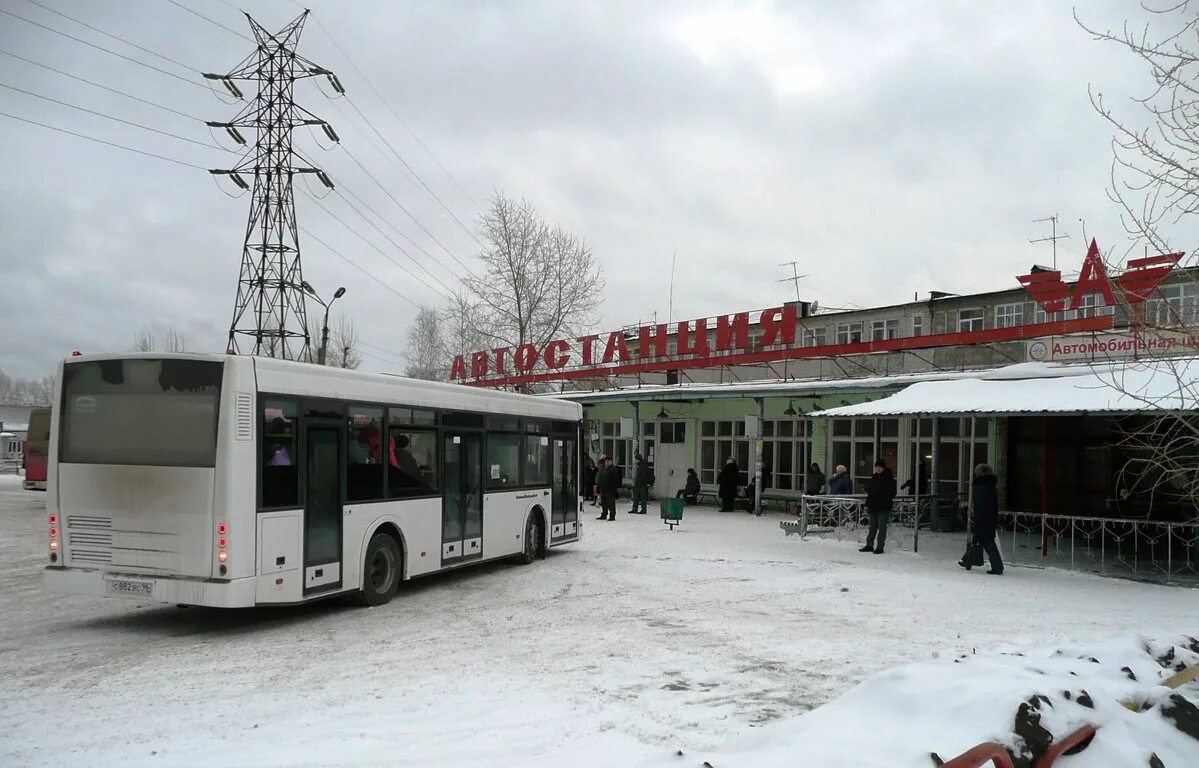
{"x": 670, "y": 469}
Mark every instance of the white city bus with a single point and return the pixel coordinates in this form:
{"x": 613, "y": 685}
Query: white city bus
{"x": 233, "y": 481}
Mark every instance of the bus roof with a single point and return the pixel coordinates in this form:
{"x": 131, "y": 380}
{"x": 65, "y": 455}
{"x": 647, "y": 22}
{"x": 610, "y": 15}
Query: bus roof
{"x": 288, "y": 377}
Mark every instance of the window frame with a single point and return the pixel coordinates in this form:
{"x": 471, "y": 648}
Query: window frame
{"x": 1005, "y": 317}
{"x": 968, "y": 322}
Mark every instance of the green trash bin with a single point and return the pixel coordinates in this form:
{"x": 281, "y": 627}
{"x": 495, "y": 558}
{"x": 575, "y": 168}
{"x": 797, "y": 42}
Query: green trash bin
{"x": 671, "y": 511}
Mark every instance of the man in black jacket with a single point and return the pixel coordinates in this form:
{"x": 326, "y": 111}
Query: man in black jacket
{"x": 985, "y": 504}
{"x": 640, "y": 485}
{"x": 880, "y": 492}
{"x": 607, "y": 480}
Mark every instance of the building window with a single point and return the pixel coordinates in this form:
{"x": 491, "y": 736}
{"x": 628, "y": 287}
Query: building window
{"x": 816, "y": 337}
{"x": 1173, "y": 306}
{"x": 881, "y": 330}
{"x": 670, "y": 432}
{"x": 970, "y": 320}
{"x": 849, "y": 333}
{"x": 1092, "y": 308}
{"x": 719, "y": 440}
{"x": 917, "y": 325}
{"x": 1041, "y": 316}
{"x": 1009, "y": 315}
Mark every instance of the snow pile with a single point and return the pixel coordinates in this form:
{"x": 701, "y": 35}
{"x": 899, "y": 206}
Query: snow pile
{"x": 915, "y": 715}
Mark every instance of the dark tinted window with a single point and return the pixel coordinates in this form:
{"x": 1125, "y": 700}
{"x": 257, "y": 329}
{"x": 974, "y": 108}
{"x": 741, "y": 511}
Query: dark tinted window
{"x": 411, "y": 461}
{"x": 143, "y": 412}
{"x": 537, "y": 460}
{"x": 280, "y": 451}
{"x": 503, "y": 461}
{"x": 364, "y": 454}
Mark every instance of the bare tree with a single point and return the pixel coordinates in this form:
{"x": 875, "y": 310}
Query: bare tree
{"x": 345, "y": 348}
{"x": 1155, "y": 184}
{"x": 148, "y": 339}
{"x": 33, "y": 392}
{"x": 426, "y": 353}
{"x": 538, "y": 282}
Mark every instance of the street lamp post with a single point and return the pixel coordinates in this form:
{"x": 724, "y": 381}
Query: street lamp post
{"x": 325, "y": 323}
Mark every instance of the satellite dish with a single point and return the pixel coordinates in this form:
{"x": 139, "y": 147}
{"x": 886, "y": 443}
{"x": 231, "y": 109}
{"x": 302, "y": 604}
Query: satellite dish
{"x": 813, "y": 308}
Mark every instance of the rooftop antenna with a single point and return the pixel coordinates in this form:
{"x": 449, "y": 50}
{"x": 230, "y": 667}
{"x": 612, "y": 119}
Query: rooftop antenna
{"x": 1054, "y": 236}
{"x": 795, "y": 276}
{"x": 670, "y": 301}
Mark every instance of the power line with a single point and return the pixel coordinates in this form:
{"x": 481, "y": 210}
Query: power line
{"x": 106, "y": 50}
{"x": 370, "y": 244}
{"x": 339, "y": 192}
{"x": 343, "y": 257}
{"x": 114, "y": 37}
{"x": 407, "y": 212}
{"x": 411, "y": 170}
{"x": 400, "y": 248}
{"x": 211, "y": 20}
{"x": 99, "y": 85}
{"x": 400, "y": 120}
{"x": 111, "y": 117}
{"x": 102, "y": 141}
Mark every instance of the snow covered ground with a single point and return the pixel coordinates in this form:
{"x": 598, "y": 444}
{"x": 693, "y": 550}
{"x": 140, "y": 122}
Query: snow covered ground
{"x": 621, "y": 650}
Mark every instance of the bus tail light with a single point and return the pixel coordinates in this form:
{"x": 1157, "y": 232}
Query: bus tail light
{"x": 54, "y": 538}
{"x": 222, "y": 543}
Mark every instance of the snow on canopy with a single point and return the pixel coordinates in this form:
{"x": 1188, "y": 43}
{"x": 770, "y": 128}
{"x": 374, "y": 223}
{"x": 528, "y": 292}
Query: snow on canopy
{"x": 1162, "y": 385}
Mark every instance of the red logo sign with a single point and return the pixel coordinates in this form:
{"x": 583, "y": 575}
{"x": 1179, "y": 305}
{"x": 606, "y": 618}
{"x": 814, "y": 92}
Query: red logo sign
{"x": 1138, "y": 281}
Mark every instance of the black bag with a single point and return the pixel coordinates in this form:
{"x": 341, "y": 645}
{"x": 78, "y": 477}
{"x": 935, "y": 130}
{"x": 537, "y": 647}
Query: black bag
{"x": 974, "y": 554}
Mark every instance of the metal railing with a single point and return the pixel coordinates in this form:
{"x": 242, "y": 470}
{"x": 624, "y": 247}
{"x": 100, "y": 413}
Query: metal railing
{"x": 845, "y": 517}
{"x": 1137, "y": 549}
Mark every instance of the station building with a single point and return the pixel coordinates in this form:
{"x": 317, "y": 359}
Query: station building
{"x": 1028, "y": 378}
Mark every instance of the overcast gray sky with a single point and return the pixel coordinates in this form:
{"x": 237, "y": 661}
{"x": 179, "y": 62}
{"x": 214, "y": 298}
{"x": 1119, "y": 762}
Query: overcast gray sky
{"x": 889, "y": 148}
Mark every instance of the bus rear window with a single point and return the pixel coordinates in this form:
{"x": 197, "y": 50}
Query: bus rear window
{"x": 144, "y": 412}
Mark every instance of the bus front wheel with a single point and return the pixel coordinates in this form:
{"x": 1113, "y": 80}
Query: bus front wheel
{"x": 381, "y": 570}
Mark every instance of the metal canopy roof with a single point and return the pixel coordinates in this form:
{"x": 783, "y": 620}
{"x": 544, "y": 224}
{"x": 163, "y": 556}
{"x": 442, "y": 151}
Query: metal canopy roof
{"x": 1138, "y": 387}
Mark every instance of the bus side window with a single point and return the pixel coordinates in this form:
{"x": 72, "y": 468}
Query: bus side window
{"x": 364, "y": 454}
{"x": 411, "y": 462}
{"x": 280, "y": 478}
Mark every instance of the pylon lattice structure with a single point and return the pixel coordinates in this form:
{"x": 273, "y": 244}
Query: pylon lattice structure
{"x": 270, "y": 314}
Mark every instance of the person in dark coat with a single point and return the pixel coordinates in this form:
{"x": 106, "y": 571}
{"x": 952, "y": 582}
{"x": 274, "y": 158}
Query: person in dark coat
{"x": 589, "y": 471}
{"x": 640, "y": 485}
{"x": 607, "y": 480}
{"x": 690, "y": 492}
{"x": 984, "y": 498}
{"x": 813, "y": 480}
{"x": 841, "y": 483}
{"x": 727, "y": 482}
{"x": 880, "y": 492}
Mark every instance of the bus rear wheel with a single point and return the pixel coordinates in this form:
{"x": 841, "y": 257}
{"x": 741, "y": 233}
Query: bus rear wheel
{"x": 381, "y": 570}
{"x": 532, "y": 539}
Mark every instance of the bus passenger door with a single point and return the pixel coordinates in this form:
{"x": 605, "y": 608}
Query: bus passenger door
{"x": 564, "y": 516}
{"x": 322, "y": 505}
{"x": 462, "y": 507}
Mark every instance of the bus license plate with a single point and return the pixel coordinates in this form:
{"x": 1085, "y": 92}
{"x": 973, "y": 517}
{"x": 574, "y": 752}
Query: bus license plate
{"x": 122, "y": 588}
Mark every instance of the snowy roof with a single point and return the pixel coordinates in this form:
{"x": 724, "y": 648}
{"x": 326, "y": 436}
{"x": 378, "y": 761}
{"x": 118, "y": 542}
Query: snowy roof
{"x": 1165, "y": 385}
{"x": 796, "y": 387}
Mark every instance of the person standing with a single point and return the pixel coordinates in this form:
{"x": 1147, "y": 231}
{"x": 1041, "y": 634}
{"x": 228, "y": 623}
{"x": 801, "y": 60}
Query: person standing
{"x": 880, "y": 492}
{"x": 841, "y": 484}
{"x": 727, "y": 482}
{"x": 814, "y": 480}
{"x": 984, "y": 498}
{"x": 640, "y": 485}
{"x": 690, "y": 492}
{"x": 607, "y": 480}
{"x": 589, "y": 471}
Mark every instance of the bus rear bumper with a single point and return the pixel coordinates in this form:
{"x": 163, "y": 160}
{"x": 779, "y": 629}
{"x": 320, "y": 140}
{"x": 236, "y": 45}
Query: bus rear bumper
{"x": 235, "y": 593}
